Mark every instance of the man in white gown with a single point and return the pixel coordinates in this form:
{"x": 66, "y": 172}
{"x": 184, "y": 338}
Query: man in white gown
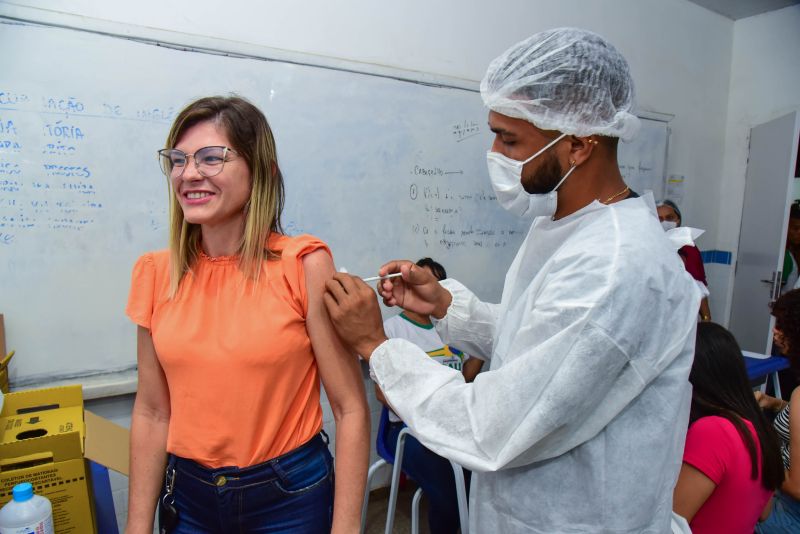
{"x": 579, "y": 423}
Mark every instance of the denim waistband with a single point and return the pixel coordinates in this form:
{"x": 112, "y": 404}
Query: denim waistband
{"x": 233, "y": 476}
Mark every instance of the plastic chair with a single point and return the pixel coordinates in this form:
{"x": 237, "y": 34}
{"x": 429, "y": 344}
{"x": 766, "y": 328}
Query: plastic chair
{"x": 374, "y": 468}
{"x": 461, "y": 494}
{"x": 461, "y": 491}
{"x": 763, "y": 365}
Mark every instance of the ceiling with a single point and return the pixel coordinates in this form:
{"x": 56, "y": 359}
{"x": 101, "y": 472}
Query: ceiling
{"x": 739, "y": 9}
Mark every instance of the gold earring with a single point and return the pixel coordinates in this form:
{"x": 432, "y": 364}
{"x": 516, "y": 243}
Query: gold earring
{"x": 572, "y": 163}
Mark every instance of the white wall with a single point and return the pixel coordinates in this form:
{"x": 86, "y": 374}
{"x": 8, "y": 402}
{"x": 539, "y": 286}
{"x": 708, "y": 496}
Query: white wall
{"x": 764, "y": 85}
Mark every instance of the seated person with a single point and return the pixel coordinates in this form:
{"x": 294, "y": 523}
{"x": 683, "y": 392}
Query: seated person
{"x": 433, "y": 473}
{"x": 785, "y": 516}
{"x": 670, "y": 217}
{"x": 731, "y": 462}
{"x": 789, "y": 275}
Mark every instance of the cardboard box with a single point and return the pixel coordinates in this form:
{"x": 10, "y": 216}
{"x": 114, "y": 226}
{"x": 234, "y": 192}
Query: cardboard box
{"x": 4, "y": 377}
{"x": 46, "y": 438}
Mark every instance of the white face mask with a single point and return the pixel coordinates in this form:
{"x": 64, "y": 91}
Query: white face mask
{"x": 668, "y": 225}
{"x": 506, "y": 177}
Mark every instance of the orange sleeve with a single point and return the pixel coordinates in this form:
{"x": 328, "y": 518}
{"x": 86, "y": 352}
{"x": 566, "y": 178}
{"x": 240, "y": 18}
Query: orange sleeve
{"x": 141, "y": 296}
{"x": 292, "y": 260}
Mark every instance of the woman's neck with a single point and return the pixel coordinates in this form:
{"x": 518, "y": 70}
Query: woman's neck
{"x": 222, "y": 239}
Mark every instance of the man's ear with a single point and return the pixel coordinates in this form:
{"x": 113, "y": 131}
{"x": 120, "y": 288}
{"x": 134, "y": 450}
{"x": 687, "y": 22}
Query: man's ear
{"x": 581, "y": 148}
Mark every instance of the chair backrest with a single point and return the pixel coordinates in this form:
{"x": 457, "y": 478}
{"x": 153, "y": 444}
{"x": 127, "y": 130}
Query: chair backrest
{"x": 380, "y": 441}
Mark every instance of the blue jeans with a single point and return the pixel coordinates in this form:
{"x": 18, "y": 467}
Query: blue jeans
{"x": 784, "y": 518}
{"x": 292, "y": 493}
{"x": 434, "y": 475}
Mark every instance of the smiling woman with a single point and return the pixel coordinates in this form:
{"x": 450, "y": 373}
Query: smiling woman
{"x": 234, "y": 293}
{"x": 211, "y": 193}
{"x": 252, "y": 176}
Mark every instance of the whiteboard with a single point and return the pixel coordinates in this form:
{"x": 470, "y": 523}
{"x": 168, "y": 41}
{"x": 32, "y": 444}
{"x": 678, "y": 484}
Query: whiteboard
{"x": 379, "y": 168}
{"x": 642, "y": 161}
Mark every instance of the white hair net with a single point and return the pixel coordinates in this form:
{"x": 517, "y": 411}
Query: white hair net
{"x": 565, "y": 79}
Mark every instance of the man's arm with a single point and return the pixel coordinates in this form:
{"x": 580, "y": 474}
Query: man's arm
{"x": 564, "y": 374}
{"x": 563, "y": 378}
{"x": 527, "y": 410}
{"x": 469, "y": 323}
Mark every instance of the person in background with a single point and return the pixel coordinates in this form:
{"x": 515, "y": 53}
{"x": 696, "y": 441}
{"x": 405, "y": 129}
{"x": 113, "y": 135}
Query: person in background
{"x": 789, "y": 276}
{"x": 578, "y": 424}
{"x": 732, "y": 460}
{"x": 790, "y": 378}
{"x": 470, "y": 366}
{"x": 785, "y": 516}
{"x": 670, "y": 217}
{"x": 233, "y": 339}
{"x": 433, "y": 473}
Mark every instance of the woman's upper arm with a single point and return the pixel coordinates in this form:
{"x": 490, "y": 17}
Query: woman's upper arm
{"x": 339, "y": 369}
{"x": 691, "y": 491}
{"x": 766, "y": 511}
{"x": 152, "y": 393}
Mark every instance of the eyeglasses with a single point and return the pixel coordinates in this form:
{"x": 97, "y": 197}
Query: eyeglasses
{"x": 208, "y": 161}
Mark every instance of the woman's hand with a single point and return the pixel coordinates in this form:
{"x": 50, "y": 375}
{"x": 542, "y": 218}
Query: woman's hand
{"x": 769, "y": 403}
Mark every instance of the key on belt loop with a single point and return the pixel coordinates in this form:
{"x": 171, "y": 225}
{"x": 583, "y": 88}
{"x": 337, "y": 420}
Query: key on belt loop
{"x": 170, "y": 479}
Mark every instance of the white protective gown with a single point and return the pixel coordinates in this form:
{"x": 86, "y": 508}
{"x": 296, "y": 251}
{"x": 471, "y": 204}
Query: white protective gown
{"x": 579, "y": 424}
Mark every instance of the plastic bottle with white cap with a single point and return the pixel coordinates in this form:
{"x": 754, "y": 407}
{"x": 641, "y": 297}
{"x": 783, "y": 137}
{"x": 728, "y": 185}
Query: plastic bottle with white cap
{"x": 26, "y": 513}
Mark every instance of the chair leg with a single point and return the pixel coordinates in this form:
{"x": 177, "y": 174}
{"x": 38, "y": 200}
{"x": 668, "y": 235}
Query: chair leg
{"x": 415, "y": 511}
{"x": 374, "y": 468}
{"x": 461, "y": 494}
{"x": 398, "y": 462}
{"x": 776, "y": 385}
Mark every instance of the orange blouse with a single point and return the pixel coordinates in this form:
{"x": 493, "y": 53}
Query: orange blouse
{"x": 241, "y": 372}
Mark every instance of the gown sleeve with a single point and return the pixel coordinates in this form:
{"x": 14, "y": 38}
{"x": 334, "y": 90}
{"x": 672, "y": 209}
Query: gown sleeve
{"x": 469, "y": 323}
{"x": 567, "y": 378}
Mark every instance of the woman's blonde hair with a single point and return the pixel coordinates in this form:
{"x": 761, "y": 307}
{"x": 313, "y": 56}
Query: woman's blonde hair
{"x": 249, "y": 133}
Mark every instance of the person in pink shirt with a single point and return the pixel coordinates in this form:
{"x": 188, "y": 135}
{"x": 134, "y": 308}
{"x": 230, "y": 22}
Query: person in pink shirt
{"x": 731, "y": 463}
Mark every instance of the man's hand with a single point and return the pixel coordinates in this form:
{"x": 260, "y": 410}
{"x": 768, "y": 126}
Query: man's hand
{"x": 417, "y": 290}
{"x": 354, "y": 312}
